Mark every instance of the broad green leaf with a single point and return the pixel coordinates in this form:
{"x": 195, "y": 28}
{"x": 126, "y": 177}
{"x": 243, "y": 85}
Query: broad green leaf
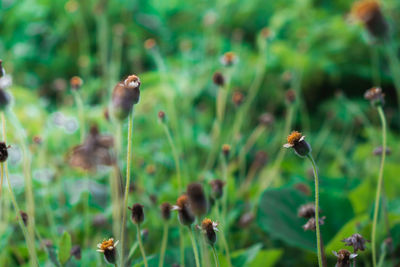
{"x": 266, "y": 258}
{"x": 64, "y": 251}
{"x": 245, "y": 256}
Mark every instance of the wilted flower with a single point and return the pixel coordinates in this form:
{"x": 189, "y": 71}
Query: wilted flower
{"x": 375, "y": 96}
{"x": 343, "y": 258}
{"x": 218, "y": 79}
{"x": 107, "y": 247}
{"x": 307, "y": 211}
{"x": 76, "y": 83}
{"x": 356, "y": 241}
{"x": 217, "y": 188}
{"x": 209, "y": 228}
{"x": 93, "y": 152}
{"x": 137, "y": 214}
{"x": 125, "y": 94}
{"x": 197, "y": 199}
{"x": 229, "y": 58}
{"x": 369, "y": 13}
{"x": 186, "y": 217}
{"x": 3, "y": 151}
{"x": 166, "y": 211}
{"x": 296, "y": 141}
{"x": 310, "y": 224}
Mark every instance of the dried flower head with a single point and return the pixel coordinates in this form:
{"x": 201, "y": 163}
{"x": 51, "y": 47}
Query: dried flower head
{"x": 356, "y": 241}
{"x": 161, "y": 116}
{"x": 209, "y": 228}
{"x": 94, "y": 151}
{"x": 343, "y": 258}
{"x": 149, "y": 43}
{"x": 185, "y": 215}
{"x": 107, "y": 247}
{"x": 379, "y": 150}
{"x": 310, "y": 224}
{"x": 76, "y": 252}
{"x": 370, "y": 14}
{"x": 125, "y": 94}
{"x": 76, "y": 83}
{"x": 137, "y": 213}
{"x": 24, "y": 217}
{"x": 375, "y": 96}
{"x": 290, "y": 96}
{"x": 166, "y": 211}
{"x": 237, "y": 98}
{"x": 229, "y": 59}
{"x": 217, "y": 188}
{"x": 197, "y": 199}
{"x": 3, "y": 151}
{"x": 266, "y": 119}
{"x": 218, "y": 79}
{"x": 226, "y": 149}
{"x": 296, "y": 141}
{"x": 307, "y": 211}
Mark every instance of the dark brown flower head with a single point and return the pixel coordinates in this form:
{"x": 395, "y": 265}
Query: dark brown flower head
{"x": 266, "y": 119}
{"x": 343, "y": 258}
{"x": 4, "y": 99}
{"x": 209, "y": 228}
{"x": 197, "y": 199}
{"x": 107, "y": 247}
{"x": 76, "y": 252}
{"x": 307, "y": 211}
{"x": 125, "y": 94}
{"x": 166, "y": 211}
{"x": 3, "y": 151}
{"x": 185, "y": 215}
{"x": 356, "y": 241}
{"x": 296, "y": 141}
{"x": 217, "y": 188}
{"x": 94, "y": 151}
{"x": 237, "y": 98}
{"x": 161, "y": 116}
{"x": 218, "y": 79}
{"x": 310, "y": 225}
{"x": 379, "y": 150}
{"x": 76, "y": 83}
{"x": 375, "y": 96}
{"x": 149, "y": 44}
{"x": 137, "y": 213}
{"x": 229, "y": 59}
{"x": 370, "y": 14}
{"x": 226, "y": 149}
{"x": 24, "y": 217}
{"x": 290, "y": 96}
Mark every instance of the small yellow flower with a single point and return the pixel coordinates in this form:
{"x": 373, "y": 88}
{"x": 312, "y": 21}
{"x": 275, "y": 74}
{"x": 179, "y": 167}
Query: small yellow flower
{"x": 107, "y": 245}
{"x": 294, "y": 138}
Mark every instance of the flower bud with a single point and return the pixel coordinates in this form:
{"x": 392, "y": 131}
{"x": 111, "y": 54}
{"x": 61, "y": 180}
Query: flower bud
{"x": 166, "y": 211}
{"x": 226, "y": 149}
{"x": 218, "y": 79}
{"x": 209, "y": 228}
{"x": 186, "y": 217}
{"x": 76, "y": 83}
{"x": 343, "y": 258}
{"x": 197, "y": 199}
{"x": 356, "y": 241}
{"x": 237, "y": 98}
{"x": 375, "y": 96}
{"x": 217, "y": 188}
{"x": 161, "y": 116}
{"x": 296, "y": 141}
{"x": 107, "y": 247}
{"x": 369, "y": 13}
{"x": 125, "y": 94}
{"x": 137, "y": 214}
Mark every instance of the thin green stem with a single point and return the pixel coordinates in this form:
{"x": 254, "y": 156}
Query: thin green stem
{"x": 174, "y": 154}
{"x": 182, "y": 246}
{"x": 224, "y": 166}
{"x": 131, "y": 251}
{"x": 81, "y": 114}
{"x": 195, "y": 251}
{"x": 127, "y": 183}
{"x": 379, "y": 186}
{"x": 215, "y": 256}
{"x": 222, "y": 235}
{"x": 163, "y": 245}
{"x": 139, "y": 238}
{"x": 317, "y": 228}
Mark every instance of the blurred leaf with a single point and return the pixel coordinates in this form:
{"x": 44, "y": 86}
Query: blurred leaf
{"x": 64, "y": 252}
{"x": 266, "y": 258}
{"x": 244, "y": 256}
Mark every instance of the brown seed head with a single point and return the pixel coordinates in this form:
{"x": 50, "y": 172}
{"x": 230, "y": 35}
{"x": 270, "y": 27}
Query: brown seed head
{"x": 76, "y": 83}
{"x": 375, "y": 96}
{"x": 306, "y": 211}
{"x": 343, "y": 258}
{"x": 166, "y": 211}
{"x": 356, "y": 241}
{"x": 310, "y": 225}
{"x": 218, "y": 79}
{"x": 125, "y": 94}
{"x": 182, "y": 201}
{"x": 197, "y": 199}
{"x": 237, "y": 98}
{"x": 137, "y": 213}
{"x": 369, "y": 12}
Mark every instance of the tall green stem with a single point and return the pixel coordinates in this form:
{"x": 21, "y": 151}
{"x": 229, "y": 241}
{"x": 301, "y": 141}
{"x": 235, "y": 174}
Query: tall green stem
{"x": 139, "y": 238}
{"x": 379, "y": 186}
{"x": 127, "y": 183}
{"x": 215, "y": 256}
{"x": 317, "y": 228}
{"x": 81, "y": 114}
{"x": 182, "y": 246}
{"x": 174, "y": 154}
{"x": 163, "y": 245}
{"x": 195, "y": 252}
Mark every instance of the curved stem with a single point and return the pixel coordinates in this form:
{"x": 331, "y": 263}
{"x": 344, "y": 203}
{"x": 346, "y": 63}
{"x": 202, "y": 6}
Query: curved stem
{"x": 379, "y": 186}
{"x": 317, "y": 228}
{"x": 127, "y": 183}
{"x": 174, "y": 154}
{"x": 195, "y": 252}
{"x": 163, "y": 245}
{"x": 139, "y": 237}
{"x": 215, "y": 256}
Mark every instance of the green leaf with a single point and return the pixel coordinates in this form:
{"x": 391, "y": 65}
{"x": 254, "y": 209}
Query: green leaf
{"x": 266, "y": 258}
{"x": 244, "y": 256}
{"x": 64, "y": 252}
